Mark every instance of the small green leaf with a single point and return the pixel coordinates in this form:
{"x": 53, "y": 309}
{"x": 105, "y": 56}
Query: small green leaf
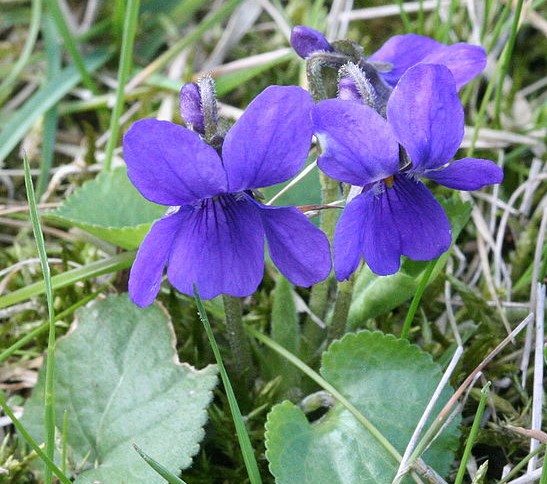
{"x": 285, "y": 331}
{"x": 118, "y": 378}
{"x": 376, "y": 295}
{"x": 110, "y": 208}
{"x": 284, "y": 316}
{"x": 115, "y": 263}
{"x": 390, "y": 382}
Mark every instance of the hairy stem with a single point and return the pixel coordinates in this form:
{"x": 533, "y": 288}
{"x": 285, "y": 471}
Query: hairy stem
{"x": 338, "y": 324}
{"x": 237, "y": 339}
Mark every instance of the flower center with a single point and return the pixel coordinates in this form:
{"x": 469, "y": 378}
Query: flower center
{"x": 389, "y": 181}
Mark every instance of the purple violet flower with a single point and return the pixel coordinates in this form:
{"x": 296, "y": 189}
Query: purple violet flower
{"x": 465, "y": 61}
{"x": 214, "y": 234}
{"x": 396, "y": 214}
{"x": 305, "y": 41}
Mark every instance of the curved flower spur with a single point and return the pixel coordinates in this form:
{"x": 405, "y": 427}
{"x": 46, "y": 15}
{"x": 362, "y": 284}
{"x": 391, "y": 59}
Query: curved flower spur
{"x": 395, "y": 214}
{"x": 213, "y": 234}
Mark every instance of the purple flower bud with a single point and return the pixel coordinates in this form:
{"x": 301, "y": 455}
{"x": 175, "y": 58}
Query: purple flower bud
{"x": 305, "y": 41}
{"x": 347, "y": 90}
{"x": 191, "y": 111}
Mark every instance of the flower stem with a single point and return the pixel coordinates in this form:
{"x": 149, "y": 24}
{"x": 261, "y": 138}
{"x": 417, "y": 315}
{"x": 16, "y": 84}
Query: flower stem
{"x": 237, "y": 339}
{"x": 338, "y": 324}
{"x": 313, "y": 335}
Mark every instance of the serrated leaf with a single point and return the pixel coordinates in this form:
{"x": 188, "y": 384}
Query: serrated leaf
{"x": 118, "y": 378}
{"x": 375, "y": 295}
{"x": 390, "y": 382}
{"x": 111, "y": 208}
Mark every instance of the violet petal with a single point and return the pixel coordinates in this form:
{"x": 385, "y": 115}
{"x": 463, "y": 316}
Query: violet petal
{"x": 357, "y": 144}
{"x": 404, "y": 51}
{"x": 467, "y": 174}
{"x": 423, "y": 227}
{"x": 348, "y": 237}
{"x": 381, "y": 246}
{"x": 305, "y": 41}
{"x": 147, "y": 270}
{"x": 465, "y": 61}
{"x": 220, "y": 249}
{"x": 171, "y": 165}
{"x": 270, "y": 142}
{"x": 427, "y": 116}
{"x": 297, "y": 247}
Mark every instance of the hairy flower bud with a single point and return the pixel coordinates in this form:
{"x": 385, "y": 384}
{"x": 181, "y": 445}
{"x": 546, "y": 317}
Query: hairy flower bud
{"x": 347, "y": 90}
{"x": 305, "y": 41}
{"x": 191, "y": 110}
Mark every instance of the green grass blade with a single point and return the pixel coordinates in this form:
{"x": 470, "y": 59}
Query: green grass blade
{"x": 49, "y": 394}
{"x": 228, "y": 82}
{"x": 507, "y": 54}
{"x": 43, "y": 100}
{"x": 162, "y": 471}
{"x": 421, "y": 18}
{"x": 95, "y": 269}
{"x": 23, "y": 341}
{"x": 522, "y": 463}
{"x": 543, "y": 479}
{"x": 126, "y": 57}
{"x": 500, "y": 27}
{"x": 404, "y": 17}
{"x": 242, "y": 435}
{"x": 224, "y": 83}
{"x": 448, "y": 23}
{"x": 417, "y": 298}
{"x": 39, "y": 238}
{"x": 70, "y": 44}
{"x": 49, "y": 463}
{"x": 32, "y": 34}
{"x": 495, "y": 81}
{"x": 118, "y": 14}
{"x": 472, "y": 434}
{"x": 51, "y": 117}
{"x": 208, "y": 22}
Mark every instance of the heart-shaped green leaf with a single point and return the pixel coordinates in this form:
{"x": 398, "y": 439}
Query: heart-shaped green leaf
{"x": 118, "y": 379}
{"x": 390, "y": 382}
{"x": 375, "y": 295}
{"x": 111, "y": 208}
